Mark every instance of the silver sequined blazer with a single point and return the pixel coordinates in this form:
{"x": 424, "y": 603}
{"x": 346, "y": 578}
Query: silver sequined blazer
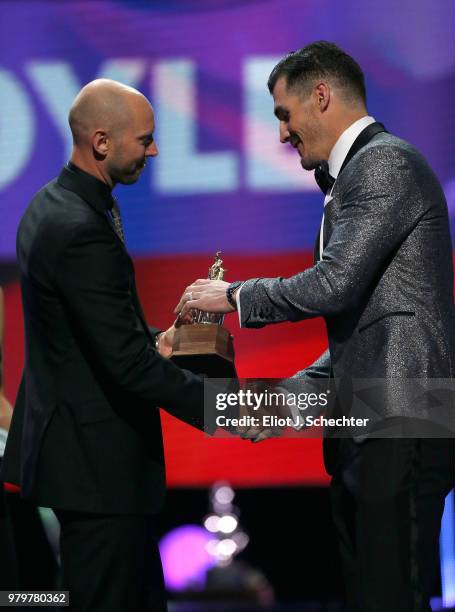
{"x": 385, "y": 283}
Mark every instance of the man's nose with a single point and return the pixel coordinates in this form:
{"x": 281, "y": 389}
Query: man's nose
{"x": 284, "y": 132}
{"x": 152, "y": 150}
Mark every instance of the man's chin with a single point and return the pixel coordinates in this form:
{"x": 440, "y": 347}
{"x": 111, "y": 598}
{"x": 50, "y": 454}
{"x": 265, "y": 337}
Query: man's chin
{"x": 308, "y": 164}
{"x": 129, "y": 179}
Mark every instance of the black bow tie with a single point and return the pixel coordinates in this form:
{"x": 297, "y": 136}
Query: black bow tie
{"x": 323, "y": 178}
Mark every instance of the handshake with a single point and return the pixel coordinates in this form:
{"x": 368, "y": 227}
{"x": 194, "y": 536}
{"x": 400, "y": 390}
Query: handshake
{"x": 260, "y": 411}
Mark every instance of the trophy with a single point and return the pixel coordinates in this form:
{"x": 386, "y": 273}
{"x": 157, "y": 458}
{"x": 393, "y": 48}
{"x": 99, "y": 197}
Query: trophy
{"x": 205, "y": 346}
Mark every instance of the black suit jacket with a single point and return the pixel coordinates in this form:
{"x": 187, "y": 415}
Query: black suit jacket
{"x": 86, "y": 431}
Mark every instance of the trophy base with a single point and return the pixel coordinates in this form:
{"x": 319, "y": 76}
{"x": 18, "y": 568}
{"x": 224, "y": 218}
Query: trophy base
{"x": 204, "y": 348}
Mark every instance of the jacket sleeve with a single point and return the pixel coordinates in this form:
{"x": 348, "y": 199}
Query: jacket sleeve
{"x": 321, "y": 368}
{"x": 379, "y": 207}
{"x": 93, "y": 276}
{"x": 314, "y": 379}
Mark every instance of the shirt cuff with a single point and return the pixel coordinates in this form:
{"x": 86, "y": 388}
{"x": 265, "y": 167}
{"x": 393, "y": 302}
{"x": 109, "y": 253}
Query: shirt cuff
{"x": 3, "y": 436}
{"x": 237, "y": 299}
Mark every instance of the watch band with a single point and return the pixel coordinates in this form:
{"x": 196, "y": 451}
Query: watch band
{"x": 230, "y": 292}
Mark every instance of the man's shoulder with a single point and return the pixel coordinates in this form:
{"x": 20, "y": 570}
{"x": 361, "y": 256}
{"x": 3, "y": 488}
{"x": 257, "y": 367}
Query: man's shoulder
{"x": 385, "y": 141}
{"x": 61, "y": 201}
{"x": 55, "y": 207}
{"x": 54, "y": 218}
{"x": 387, "y": 151}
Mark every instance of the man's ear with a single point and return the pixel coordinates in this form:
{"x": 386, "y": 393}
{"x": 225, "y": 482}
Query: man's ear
{"x": 101, "y": 142}
{"x": 322, "y": 93}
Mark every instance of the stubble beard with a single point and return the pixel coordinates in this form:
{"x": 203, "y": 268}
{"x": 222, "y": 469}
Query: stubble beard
{"x": 309, "y": 164}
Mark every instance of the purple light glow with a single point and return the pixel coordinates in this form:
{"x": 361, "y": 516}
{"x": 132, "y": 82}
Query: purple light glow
{"x": 185, "y": 558}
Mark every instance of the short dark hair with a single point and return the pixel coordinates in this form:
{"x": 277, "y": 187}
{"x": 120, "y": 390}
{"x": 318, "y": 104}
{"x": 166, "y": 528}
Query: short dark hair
{"x": 320, "y": 60}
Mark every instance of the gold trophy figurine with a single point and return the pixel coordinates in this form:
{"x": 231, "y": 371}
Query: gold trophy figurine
{"x": 216, "y": 272}
{"x": 205, "y": 346}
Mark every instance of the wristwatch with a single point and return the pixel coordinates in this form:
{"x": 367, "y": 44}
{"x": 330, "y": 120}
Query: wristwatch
{"x": 230, "y": 292}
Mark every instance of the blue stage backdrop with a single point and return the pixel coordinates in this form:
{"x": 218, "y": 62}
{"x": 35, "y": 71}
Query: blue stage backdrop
{"x": 222, "y": 179}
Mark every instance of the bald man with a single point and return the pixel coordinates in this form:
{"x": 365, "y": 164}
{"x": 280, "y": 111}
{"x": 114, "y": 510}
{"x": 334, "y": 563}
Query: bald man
{"x": 86, "y": 436}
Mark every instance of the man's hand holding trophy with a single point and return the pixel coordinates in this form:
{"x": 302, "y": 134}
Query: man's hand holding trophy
{"x": 200, "y": 342}
{"x": 169, "y": 342}
{"x": 211, "y": 294}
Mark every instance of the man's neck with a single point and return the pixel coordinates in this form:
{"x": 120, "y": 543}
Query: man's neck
{"x": 344, "y": 143}
{"x": 91, "y": 167}
{"x": 343, "y": 122}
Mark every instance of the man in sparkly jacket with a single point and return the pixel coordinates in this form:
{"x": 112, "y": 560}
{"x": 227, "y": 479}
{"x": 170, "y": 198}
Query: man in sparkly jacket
{"x": 383, "y": 281}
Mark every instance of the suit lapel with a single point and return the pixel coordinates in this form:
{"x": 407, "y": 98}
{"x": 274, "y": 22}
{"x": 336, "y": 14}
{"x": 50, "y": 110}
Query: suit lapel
{"x": 329, "y": 218}
{"x": 361, "y": 141}
{"x": 316, "y": 248}
{"x": 329, "y": 209}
